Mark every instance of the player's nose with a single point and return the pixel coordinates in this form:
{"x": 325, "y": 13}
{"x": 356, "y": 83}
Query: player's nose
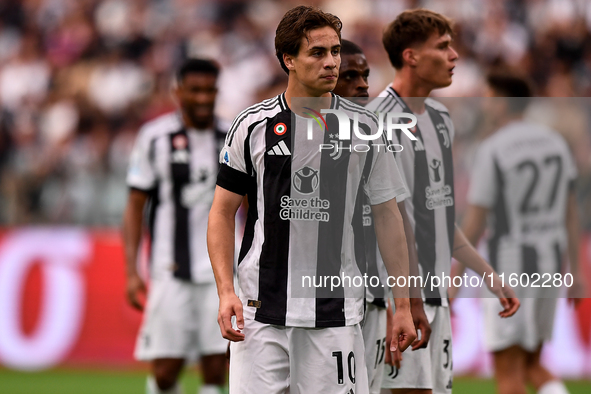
{"x": 362, "y": 84}
{"x": 454, "y": 55}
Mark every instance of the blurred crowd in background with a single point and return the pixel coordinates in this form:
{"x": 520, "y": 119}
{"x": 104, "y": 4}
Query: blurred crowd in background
{"x": 78, "y": 78}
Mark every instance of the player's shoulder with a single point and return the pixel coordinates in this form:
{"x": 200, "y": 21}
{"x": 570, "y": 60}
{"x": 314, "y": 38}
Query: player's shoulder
{"x": 162, "y": 125}
{"x": 436, "y": 105}
{"x": 364, "y": 114}
{"x": 386, "y": 100}
{"x": 261, "y": 110}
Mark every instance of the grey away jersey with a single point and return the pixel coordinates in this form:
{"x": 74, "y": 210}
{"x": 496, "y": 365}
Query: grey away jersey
{"x": 305, "y": 216}
{"x": 177, "y": 167}
{"x": 427, "y": 169}
{"x": 523, "y": 173}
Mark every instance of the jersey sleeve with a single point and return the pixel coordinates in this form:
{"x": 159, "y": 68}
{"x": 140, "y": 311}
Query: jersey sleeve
{"x": 384, "y": 180}
{"x": 483, "y": 182}
{"x": 234, "y": 175}
{"x": 141, "y": 173}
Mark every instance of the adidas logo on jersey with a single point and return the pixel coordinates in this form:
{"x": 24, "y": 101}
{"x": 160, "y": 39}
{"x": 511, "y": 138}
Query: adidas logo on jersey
{"x": 280, "y": 149}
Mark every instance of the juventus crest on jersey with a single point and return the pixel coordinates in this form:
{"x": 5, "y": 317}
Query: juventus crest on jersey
{"x": 427, "y": 169}
{"x": 305, "y": 217}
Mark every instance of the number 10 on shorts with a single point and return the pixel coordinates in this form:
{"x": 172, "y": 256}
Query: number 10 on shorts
{"x": 350, "y": 366}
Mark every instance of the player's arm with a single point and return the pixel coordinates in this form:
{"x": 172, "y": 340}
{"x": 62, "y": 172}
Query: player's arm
{"x": 393, "y": 248}
{"x": 220, "y": 245}
{"x": 132, "y": 234}
{"x": 416, "y": 299}
{"x": 577, "y": 290}
{"x": 465, "y": 253}
{"x": 473, "y": 228}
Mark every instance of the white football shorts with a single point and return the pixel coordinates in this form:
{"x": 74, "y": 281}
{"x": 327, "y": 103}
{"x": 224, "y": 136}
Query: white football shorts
{"x": 279, "y": 360}
{"x": 374, "y": 338}
{"x": 180, "y": 321}
{"x": 529, "y": 327}
{"x": 429, "y": 368}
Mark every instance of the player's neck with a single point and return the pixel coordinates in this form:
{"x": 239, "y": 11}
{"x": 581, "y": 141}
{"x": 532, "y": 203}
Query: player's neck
{"x": 192, "y": 125}
{"x": 413, "y": 91}
{"x": 295, "y": 89}
{"x": 505, "y": 120}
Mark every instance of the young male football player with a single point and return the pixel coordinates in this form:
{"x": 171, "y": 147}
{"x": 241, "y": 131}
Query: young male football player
{"x": 353, "y": 84}
{"x": 522, "y": 184}
{"x": 301, "y": 223}
{"x": 172, "y": 172}
{"x": 418, "y": 43}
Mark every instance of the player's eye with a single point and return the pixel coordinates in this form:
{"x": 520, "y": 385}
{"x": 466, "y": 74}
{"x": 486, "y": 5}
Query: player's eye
{"x": 335, "y": 52}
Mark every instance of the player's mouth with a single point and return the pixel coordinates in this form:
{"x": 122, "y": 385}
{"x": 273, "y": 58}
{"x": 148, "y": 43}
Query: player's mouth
{"x": 362, "y": 94}
{"x": 451, "y": 71}
{"x": 330, "y": 77}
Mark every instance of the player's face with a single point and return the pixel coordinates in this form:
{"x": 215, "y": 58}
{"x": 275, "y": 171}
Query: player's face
{"x": 316, "y": 66}
{"x": 196, "y": 94}
{"x": 435, "y": 61}
{"x": 353, "y": 75}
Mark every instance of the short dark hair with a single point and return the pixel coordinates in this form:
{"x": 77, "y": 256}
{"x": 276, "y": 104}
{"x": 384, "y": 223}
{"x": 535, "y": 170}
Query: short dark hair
{"x": 197, "y": 66}
{"x": 350, "y": 48}
{"x": 510, "y": 84}
{"x": 296, "y": 24}
{"x": 410, "y": 28}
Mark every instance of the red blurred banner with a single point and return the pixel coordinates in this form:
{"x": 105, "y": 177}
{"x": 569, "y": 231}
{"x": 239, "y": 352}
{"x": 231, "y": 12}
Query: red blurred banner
{"x": 62, "y": 301}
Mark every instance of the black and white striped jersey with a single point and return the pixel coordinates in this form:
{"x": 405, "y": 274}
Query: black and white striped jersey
{"x": 304, "y": 219}
{"x": 523, "y": 174}
{"x": 177, "y": 166}
{"x": 427, "y": 169}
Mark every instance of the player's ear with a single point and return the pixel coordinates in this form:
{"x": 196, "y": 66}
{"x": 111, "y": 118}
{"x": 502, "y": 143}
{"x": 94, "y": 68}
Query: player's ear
{"x": 288, "y": 60}
{"x": 409, "y": 57}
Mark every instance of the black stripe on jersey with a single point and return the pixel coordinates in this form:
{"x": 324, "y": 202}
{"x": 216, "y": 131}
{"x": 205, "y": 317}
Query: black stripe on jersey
{"x": 371, "y": 241}
{"x": 180, "y": 174}
{"x": 273, "y": 263}
{"x": 448, "y": 167}
{"x": 333, "y": 187}
{"x": 424, "y": 218}
{"x": 265, "y": 105}
{"x": 251, "y": 219}
{"x": 501, "y": 223}
{"x": 529, "y": 259}
{"x": 283, "y": 102}
{"x": 150, "y": 212}
{"x": 557, "y": 257}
